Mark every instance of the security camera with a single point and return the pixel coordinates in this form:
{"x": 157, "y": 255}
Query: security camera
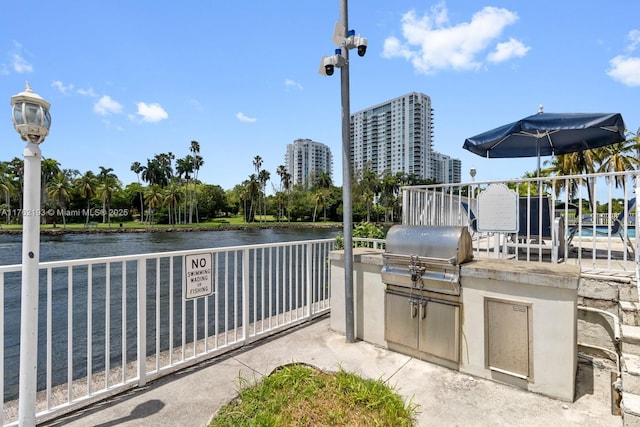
{"x": 362, "y": 49}
{"x": 328, "y": 69}
{"x": 328, "y": 63}
{"x": 361, "y": 43}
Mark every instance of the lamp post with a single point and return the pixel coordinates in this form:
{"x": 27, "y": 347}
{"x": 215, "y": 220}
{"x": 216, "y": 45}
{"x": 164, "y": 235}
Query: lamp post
{"x": 31, "y": 119}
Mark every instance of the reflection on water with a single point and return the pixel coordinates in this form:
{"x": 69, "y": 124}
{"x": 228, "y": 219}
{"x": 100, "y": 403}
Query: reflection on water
{"x": 76, "y": 246}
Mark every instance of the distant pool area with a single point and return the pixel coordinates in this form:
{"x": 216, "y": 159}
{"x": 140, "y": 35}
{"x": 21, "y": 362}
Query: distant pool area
{"x": 602, "y": 231}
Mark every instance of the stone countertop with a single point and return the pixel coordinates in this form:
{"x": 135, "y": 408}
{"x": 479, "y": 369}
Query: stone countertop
{"x": 531, "y": 273}
{"x": 360, "y": 255}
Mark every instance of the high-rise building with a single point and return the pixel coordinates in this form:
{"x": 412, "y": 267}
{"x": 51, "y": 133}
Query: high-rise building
{"x": 397, "y": 136}
{"x": 307, "y": 159}
{"x": 448, "y": 169}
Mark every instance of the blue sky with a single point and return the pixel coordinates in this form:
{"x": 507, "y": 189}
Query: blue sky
{"x": 129, "y": 79}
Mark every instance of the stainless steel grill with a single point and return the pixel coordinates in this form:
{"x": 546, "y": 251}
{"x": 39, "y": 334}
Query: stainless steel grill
{"x": 421, "y": 270}
{"x": 426, "y": 257}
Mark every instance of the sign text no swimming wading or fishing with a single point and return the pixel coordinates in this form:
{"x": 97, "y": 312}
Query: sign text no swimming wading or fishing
{"x": 197, "y": 275}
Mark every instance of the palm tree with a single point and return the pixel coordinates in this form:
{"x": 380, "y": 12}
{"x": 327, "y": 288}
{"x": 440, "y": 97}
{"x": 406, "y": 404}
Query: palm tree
{"x": 59, "y": 190}
{"x": 153, "y": 197}
{"x": 580, "y": 162}
{"x": 137, "y": 168}
{"x": 319, "y": 199}
{"x": 16, "y": 169}
{"x": 263, "y": 177}
{"x": 619, "y": 157}
{"x": 324, "y": 180}
{"x": 388, "y": 194}
{"x": 158, "y": 170}
{"x": 252, "y": 187}
{"x": 7, "y": 187}
{"x": 282, "y": 172}
{"x": 370, "y": 187}
{"x": 172, "y": 194}
{"x": 197, "y": 162}
{"x": 108, "y": 184}
{"x": 86, "y": 186}
{"x": 257, "y": 164}
{"x": 184, "y": 167}
{"x": 49, "y": 169}
{"x": 164, "y": 168}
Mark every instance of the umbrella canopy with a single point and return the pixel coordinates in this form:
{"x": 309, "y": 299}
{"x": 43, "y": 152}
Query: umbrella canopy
{"x": 546, "y": 134}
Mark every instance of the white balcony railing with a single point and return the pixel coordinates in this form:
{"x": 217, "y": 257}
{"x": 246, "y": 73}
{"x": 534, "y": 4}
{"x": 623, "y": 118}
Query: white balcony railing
{"x": 588, "y": 220}
{"x": 110, "y": 324}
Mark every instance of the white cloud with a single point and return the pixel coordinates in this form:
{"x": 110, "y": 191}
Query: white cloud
{"x": 634, "y": 37}
{"x": 240, "y": 116}
{"x": 87, "y": 92}
{"x": 106, "y": 105}
{"x": 19, "y": 64}
{"x": 625, "y": 69}
{"x": 505, "y": 51}
{"x": 196, "y": 104}
{"x": 292, "y": 83}
{"x": 431, "y": 43}
{"x": 61, "y": 87}
{"x": 151, "y": 112}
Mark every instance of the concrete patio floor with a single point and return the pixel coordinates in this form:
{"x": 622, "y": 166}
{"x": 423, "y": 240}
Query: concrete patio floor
{"x": 444, "y": 397}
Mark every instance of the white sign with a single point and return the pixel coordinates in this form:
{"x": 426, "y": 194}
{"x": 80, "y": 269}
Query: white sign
{"x": 198, "y": 275}
{"x": 498, "y": 209}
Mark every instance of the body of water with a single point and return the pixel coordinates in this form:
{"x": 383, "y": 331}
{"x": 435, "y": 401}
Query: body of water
{"x": 93, "y": 245}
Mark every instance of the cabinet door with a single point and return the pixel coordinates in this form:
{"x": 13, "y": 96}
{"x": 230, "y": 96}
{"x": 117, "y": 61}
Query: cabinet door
{"x": 509, "y": 332}
{"x": 401, "y": 320}
{"x": 439, "y": 329}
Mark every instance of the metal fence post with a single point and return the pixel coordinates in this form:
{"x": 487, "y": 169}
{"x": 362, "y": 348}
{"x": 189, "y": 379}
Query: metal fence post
{"x": 309, "y": 278}
{"x": 245, "y": 295}
{"x": 142, "y": 320}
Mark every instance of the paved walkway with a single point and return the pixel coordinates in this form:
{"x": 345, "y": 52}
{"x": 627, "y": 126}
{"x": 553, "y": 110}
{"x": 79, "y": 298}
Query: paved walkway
{"x": 445, "y": 397}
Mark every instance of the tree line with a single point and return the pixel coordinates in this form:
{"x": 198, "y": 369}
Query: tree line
{"x": 168, "y": 191}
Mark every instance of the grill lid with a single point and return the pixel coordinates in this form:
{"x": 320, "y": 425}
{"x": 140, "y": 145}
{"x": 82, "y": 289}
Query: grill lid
{"x": 450, "y": 244}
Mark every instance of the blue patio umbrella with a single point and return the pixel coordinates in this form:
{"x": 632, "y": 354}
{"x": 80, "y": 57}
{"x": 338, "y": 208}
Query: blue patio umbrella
{"x": 546, "y": 134}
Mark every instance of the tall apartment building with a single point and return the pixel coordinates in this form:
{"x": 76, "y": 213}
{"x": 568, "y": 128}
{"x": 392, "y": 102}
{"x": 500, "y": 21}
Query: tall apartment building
{"x": 397, "y": 136}
{"x": 448, "y": 169}
{"x": 306, "y": 159}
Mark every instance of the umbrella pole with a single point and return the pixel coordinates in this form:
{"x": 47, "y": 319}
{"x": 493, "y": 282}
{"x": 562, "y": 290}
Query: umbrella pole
{"x": 538, "y": 173}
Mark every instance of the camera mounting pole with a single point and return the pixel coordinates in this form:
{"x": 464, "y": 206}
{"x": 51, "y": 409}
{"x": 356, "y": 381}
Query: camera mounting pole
{"x": 345, "y": 40}
{"x": 347, "y": 204}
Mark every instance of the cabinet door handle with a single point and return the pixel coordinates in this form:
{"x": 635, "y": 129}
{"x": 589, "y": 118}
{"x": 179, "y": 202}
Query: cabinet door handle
{"x": 413, "y": 308}
{"x": 423, "y": 310}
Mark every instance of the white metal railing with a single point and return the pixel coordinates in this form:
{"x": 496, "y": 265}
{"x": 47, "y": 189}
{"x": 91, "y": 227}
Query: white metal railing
{"x": 590, "y": 219}
{"x": 111, "y": 324}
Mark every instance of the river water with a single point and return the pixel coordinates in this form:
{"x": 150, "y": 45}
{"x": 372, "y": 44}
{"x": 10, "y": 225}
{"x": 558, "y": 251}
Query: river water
{"x": 91, "y": 245}
{"x": 94, "y": 245}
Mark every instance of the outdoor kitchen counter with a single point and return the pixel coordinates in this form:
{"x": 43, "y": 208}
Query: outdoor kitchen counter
{"x": 517, "y": 319}
{"x": 529, "y": 273}
{"x": 368, "y": 294}
{"x": 519, "y": 324}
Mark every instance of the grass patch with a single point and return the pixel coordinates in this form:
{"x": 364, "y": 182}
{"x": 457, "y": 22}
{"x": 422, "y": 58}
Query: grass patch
{"x": 300, "y": 395}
